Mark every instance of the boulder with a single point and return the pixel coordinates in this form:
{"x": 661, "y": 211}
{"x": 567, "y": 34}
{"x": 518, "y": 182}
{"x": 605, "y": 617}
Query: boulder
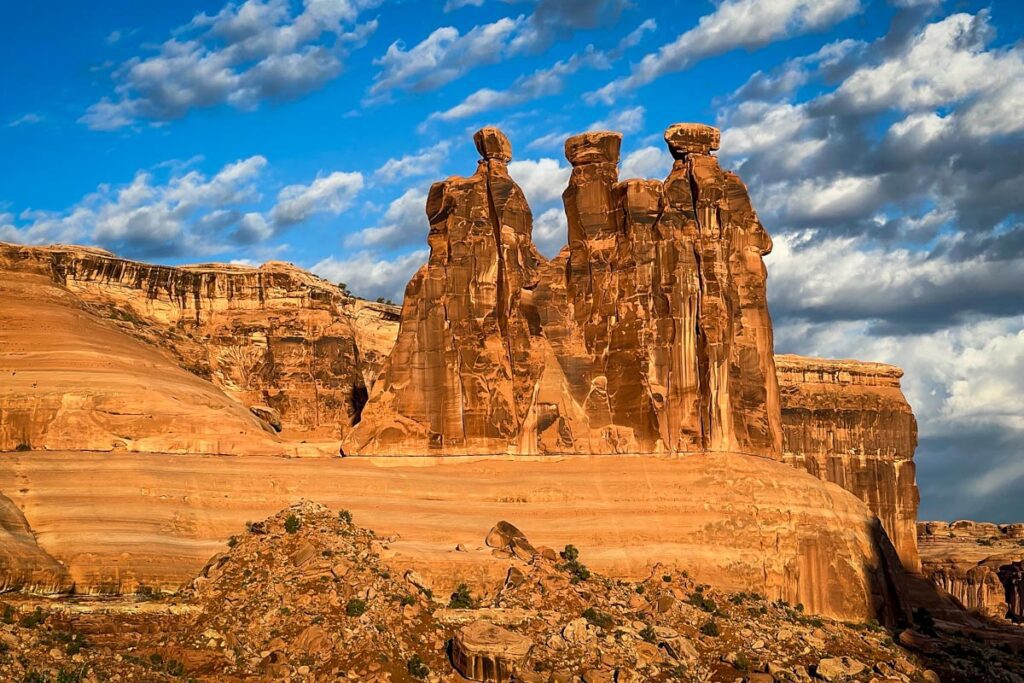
{"x": 484, "y": 652}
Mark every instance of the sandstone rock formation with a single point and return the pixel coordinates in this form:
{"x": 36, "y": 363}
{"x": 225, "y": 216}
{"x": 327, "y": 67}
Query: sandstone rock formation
{"x": 485, "y": 652}
{"x": 848, "y": 422}
{"x": 24, "y": 565}
{"x": 273, "y": 336}
{"x": 736, "y": 522}
{"x": 460, "y": 377}
{"x": 979, "y": 564}
{"x": 649, "y": 333}
{"x": 72, "y": 380}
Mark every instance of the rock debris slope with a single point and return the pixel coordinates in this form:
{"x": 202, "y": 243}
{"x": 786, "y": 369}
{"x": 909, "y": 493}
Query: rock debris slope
{"x": 649, "y": 333}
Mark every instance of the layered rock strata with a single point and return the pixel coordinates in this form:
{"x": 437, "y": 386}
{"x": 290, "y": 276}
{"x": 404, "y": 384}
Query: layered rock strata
{"x": 736, "y": 522}
{"x": 73, "y": 380}
{"x": 980, "y": 564}
{"x": 848, "y": 422}
{"x": 24, "y": 565}
{"x": 649, "y": 333}
{"x": 273, "y": 336}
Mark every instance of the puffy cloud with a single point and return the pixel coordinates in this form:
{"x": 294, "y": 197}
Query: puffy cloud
{"x": 404, "y": 223}
{"x": 543, "y": 82}
{"x": 189, "y": 213}
{"x": 242, "y": 55}
{"x": 551, "y": 231}
{"x": 646, "y": 162}
{"x": 426, "y": 161}
{"x": 625, "y": 121}
{"x": 734, "y": 24}
{"x": 542, "y": 180}
{"x": 447, "y": 53}
{"x": 369, "y": 275}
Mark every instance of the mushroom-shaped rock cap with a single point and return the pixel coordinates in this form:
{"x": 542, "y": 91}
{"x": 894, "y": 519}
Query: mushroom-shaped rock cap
{"x": 492, "y": 144}
{"x": 692, "y": 138}
{"x": 593, "y": 148}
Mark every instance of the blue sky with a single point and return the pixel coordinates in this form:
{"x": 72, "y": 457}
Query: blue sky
{"x": 883, "y": 143}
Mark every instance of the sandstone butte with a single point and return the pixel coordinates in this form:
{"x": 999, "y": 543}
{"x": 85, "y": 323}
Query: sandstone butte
{"x": 648, "y": 335}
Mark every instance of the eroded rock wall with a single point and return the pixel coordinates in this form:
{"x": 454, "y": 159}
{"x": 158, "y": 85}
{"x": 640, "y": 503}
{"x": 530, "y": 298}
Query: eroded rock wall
{"x": 24, "y": 566}
{"x": 649, "y": 333}
{"x": 848, "y": 422}
{"x": 980, "y": 564}
{"x": 273, "y": 336}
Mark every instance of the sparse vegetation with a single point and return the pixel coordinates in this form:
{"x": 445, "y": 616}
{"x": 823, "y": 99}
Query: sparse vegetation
{"x": 292, "y": 524}
{"x": 599, "y": 619}
{"x": 702, "y": 602}
{"x": 572, "y": 564}
{"x": 355, "y": 607}
{"x": 345, "y": 516}
{"x": 417, "y": 668}
{"x": 648, "y": 634}
{"x": 461, "y": 598}
{"x": 710, "y": 628}
{"x": 22, "y": 447}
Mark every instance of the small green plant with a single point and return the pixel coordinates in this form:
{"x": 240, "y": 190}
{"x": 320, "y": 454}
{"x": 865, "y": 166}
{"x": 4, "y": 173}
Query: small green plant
{"x": 417, "y": 668}
{"x": 33, "y": 619}
{"x": 33, "y": 677}
{"x": 355, "y": 607}
{"x": 640, "y": 588}
{"x": 76, "y": 643}
{"x": 345, "y": 516}
{"x": 22, "y": 447}
{"x": 406, "y": 600}
{"x": 648, "y": 634}
{"x": 702, "y": 602}
{"x": 292, "y": 524}
{"x": 232, "y": 541}
{"x": 742, "y": 663}
{"x": 8, "y": 614}
{"x": 799, "y": 607}
{"x": 667, "y": 578}
{"x": 710, "y": 628}
{"x": 461, "y": 598}
{"x": 599, "y": 619}
{"x": 572, "y": 564}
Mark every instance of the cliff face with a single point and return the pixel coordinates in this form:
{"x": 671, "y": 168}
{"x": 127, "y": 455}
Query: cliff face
{"x": 75, "y": 380}
{"x": 274, "y": 336}
{"x": 648, "y": 334}
{"x": 848, "y": 422}
{"x": 24, "y": 565}
{"x": 980, "y": 564}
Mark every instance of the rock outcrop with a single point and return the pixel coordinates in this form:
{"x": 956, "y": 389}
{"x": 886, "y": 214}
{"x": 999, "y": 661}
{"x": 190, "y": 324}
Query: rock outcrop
{"x": 848, "y": 422}
{"x": 485, "y": 652}
{"x": 24, "y": 566}
{"x": 979, "y": 564}
{"x": 273, "y": 336}
{"x": 73, "y": 380}
{"x": 649, "y": 333}
{"x": 736, "y": 522}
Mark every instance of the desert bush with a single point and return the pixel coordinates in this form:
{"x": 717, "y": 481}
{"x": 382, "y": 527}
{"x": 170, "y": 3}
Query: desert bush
{"x": 599, "y": 619}
{"x": 416, "y": 667}
{"x": 355, "y": 607}
{"x": 710, "y": 628}
{"x": 292, "y": 524}
{"x": 461, "y": 598}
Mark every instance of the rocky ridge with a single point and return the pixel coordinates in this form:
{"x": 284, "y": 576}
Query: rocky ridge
{"x": 979, "y": 564}
{"x": 304, "y": 595}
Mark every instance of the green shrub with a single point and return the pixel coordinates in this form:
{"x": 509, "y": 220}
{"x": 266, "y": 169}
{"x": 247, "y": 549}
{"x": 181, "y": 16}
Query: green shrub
{"x": 345, "y": 516}
{"x": 702, "y": 602}
{"x": 710, "y": 628}
{"x": 599, "y": 619}
{"x": 232, "y": 541}
{"x": 649, "y": 635}
{"x": 640, "y": 588}
{"x": 406, "y": 600}
{"x": 416, "y": 667}
{"x": 572, "y": 564}
{"x": 8, "y": 614}
{"x": 292, "y": 524}
{"x": 742, "y": 663}
{"x": 33, "y": 619}
{"x": 570, "y": 554}
{"x": 355, "y": 607}
{"x": 461, "y": 598}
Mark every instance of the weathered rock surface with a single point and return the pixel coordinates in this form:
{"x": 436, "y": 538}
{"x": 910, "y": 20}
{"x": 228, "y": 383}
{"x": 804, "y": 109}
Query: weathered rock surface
{"x": 649, "y": 333}
{"x": 460, "y": 377}
{"x": 735, "y": 522}
{"x": 485, "y": 652}
{"x": 24, "y": 565}
{"x": 848, "y": 422}
{"x": 273, "y": 336}
{"x": 979, "y": 564}
{"x": 72, "y": 380}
